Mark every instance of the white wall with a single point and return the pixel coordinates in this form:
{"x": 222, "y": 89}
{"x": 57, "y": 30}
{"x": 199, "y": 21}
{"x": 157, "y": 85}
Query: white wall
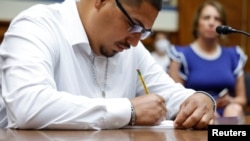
{"x": 167, "y": 20}
{"x": 10, "y": 8}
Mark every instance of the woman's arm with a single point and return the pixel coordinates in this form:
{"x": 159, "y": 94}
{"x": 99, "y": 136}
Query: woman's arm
{"x": 240, "y": 91}
{"x": 174, "y": 70}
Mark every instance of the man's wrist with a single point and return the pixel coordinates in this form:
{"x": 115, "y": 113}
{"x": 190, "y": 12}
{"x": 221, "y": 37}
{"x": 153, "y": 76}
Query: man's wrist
{"x": 213, "y": 100}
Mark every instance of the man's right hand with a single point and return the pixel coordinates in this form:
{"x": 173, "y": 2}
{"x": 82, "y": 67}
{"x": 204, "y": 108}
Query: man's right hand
{"x": 150, "y": 109}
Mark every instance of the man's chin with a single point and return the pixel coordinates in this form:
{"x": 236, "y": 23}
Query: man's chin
{"x": 110, "y": 54}
{"x": 107, "y": 53}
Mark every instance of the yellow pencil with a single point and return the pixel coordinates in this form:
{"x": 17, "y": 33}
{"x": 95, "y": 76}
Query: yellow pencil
{"x": 143, "y": 82}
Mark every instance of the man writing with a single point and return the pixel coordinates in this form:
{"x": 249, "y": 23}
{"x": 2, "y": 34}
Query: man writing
{"x": 73, "y": 66}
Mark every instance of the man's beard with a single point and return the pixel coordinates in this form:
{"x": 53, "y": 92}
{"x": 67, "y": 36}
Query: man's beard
{"x": 106, "y": 53}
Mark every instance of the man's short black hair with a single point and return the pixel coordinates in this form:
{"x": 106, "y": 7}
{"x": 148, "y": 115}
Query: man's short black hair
{"x": 155, "y": 3}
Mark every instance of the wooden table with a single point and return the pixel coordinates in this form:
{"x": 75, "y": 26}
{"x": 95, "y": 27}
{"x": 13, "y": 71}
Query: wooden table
{"x": 106, "y": 135}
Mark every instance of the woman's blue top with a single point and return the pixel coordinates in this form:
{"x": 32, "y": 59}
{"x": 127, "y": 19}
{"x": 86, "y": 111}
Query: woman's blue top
{"x": 210, "y": 74}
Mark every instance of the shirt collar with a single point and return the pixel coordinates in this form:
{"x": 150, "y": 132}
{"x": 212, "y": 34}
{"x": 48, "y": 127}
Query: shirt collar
{"x": 74, "y": 27}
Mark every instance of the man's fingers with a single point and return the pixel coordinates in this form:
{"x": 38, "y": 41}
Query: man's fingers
{"x": 193, "y": 117}
{"x": 184, "y": 113}
{"x": 150, "y": 109}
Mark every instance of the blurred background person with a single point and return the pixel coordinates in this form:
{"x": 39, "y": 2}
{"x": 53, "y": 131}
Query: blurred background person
{"x": 161, "y": 49}
{"x": 208, "y": 66}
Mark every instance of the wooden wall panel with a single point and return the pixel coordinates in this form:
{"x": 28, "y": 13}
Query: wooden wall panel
{"x": 247, "y": 47}
{"x": 186, "y": 11}
{"x": 3, "y": 28}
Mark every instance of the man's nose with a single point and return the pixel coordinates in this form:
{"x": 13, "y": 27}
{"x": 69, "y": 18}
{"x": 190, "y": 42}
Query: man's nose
{"x": 134, "y": 38}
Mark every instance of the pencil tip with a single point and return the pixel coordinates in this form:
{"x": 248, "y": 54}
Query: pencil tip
{"x": 139, "y": 72}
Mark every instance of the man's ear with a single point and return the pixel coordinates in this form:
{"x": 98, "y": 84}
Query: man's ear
{"x": 100, "y": 3}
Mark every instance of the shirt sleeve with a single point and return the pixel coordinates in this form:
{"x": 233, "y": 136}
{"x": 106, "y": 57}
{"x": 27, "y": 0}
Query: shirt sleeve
{"x": 3, "y": 117}
{"x": 241, "y": 59}
{"x": 177, "y": 54}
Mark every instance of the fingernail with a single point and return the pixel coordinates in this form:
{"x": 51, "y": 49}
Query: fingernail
{"x": 176, "y": 125}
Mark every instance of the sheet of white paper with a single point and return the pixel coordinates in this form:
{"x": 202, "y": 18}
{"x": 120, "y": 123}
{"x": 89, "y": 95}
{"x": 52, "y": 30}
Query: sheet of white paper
{"x": 166, "y": 124}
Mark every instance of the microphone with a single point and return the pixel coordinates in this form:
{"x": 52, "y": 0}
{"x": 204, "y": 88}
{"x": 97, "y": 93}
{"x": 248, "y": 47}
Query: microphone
{"x": 227, "y": 30}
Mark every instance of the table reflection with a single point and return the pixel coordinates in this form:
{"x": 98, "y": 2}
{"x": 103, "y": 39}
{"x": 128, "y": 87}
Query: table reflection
{"x": 109, "y": 135}
{"x": 104, "y": 135}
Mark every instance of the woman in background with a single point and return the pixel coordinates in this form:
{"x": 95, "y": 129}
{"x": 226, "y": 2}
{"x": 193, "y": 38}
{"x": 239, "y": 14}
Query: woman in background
{"x": 205, "y": 65}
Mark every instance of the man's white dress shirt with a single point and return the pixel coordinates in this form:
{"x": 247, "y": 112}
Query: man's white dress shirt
{"x": 47, "y": 80}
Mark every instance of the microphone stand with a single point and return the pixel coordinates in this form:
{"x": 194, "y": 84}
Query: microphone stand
{"x": 242, "y": 32}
